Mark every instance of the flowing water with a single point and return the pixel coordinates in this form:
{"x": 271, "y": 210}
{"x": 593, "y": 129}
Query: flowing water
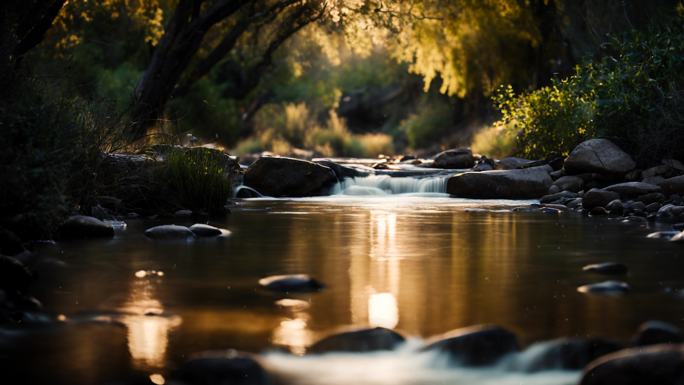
{"x": 416, "y": 261}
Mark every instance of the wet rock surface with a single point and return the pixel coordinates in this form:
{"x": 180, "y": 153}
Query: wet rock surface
{"x": 291, "y": 283}
{"x": 84, "y": 227}
{"x": 288, "y": 177}
{"x": 501, "y": 184}
{"x": 169, "y": 232}
{"x": 475, "y": 345}
{"x": 660, "y": 364}
{"x": 358, "y": 340}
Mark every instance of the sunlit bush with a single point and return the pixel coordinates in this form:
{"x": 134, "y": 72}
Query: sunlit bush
{"x": 428, "y": 125}
{"x": 494, "y": 141}
{"x": 633, "y": 95}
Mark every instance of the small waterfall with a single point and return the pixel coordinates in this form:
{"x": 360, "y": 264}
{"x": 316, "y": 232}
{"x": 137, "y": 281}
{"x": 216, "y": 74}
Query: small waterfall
{"x": 388, "y": 185}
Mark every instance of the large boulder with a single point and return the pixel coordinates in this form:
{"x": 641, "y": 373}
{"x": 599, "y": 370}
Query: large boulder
{"x": 673, "y": 185}
{"x": 598, "y": 198}
{"x": 599, "y": 155}
{"x": 565, "y": 354}
{"x": 659, "y": 364}
{"x": 633, "y": 189}
{"x": 454, "y": 159}
{"x": 222, "y": 368}
{"x": 476, "y": 345}
{"x": 283, "y": 177}
{"x": 83, "y": 227}
{"x": 526, "y": 183}
{"x": 358, "y": 340}
{"x": 340, "y": 171}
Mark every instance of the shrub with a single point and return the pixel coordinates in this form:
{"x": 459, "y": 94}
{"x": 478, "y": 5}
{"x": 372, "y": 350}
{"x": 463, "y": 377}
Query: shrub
{"x": 432, "y": 122}
{"x": 199, "y": 178}
{"x": 494, "y": 141}
{"x": 633, "y": 95}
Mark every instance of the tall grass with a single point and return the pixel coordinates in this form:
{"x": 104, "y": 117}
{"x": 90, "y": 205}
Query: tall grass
{"x": 199, "y": 178}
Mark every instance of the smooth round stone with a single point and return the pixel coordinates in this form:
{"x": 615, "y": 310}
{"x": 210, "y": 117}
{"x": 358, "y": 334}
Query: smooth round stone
{"x": 359, "y": 340}
{"x": 81, "y": 227}
{"x": 657, "y": 332}
{"x": 662, "y": 235}
{"x": 477, "y": 345}
{"x": 203, "y": 230}
{"x": 607, "y": 287}
{"x": 291, "y": 283}
{"x": 169, "y": 232}
{"x": 606, "y": 268}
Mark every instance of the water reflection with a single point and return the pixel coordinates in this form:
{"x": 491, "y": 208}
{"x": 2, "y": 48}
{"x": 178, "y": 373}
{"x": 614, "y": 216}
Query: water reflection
{"x": 383, "y": 310}
{"x": 293, "y": 332}
{"x": 148, "y": 326}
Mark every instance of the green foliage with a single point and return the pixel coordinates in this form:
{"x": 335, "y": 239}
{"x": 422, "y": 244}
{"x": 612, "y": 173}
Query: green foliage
{"x": 432, "y": 121}
{"x": 494, "y": 141}
{"x": 633, "y": 95}
{"x": 51, "y": 146}
{"x": 198, "y": 178}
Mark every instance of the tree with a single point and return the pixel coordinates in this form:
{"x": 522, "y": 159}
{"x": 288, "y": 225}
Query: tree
{"x": 184, "y": 35}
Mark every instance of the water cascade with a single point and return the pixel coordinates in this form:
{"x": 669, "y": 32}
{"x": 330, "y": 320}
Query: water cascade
{"x": 389, "y": 185}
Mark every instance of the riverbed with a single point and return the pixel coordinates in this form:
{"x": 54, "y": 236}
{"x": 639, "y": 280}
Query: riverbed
{"x": 421, "y": 263}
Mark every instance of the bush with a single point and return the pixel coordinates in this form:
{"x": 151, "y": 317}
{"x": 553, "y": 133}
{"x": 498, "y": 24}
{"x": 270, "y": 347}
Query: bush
{"x": 50, "y": 150}
{"x": 633, "y": 96}
{"x": 432, "y": 122}
{"x": 199, "y": 178}
{"x": 494, "y": 141}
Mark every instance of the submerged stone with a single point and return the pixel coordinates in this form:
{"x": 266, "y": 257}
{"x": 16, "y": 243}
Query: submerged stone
{"x": 204, "y": 230}
{"x": 82, "y": 227}
{"x": 476, "y": 345}
{"x": 607, "y": 268}
{"x": 657, "y": 332}
{"x": 169, "y": 232}
{"x": 607, "y": 287}
{"x": 291, "y": 283}
{"x": 359, "y": 340}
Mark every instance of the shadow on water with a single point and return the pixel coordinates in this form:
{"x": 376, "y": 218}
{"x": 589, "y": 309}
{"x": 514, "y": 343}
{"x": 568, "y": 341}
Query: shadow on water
{"x": 422, "y": 265}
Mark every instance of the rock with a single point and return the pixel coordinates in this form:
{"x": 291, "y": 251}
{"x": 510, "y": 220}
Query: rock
{"x": 483, "y": 166}
{"x": 598, "y": 198}
{"x": 607, "y": 287}
{"x": 222, "y": 368}
{"x": 656, "y": 365}
{"x": 662, "y": 235}
{"x": 476, "y": 345}
{"x": 674, "y": 164}
{"x": 608, "y": 268}
{"x": 280, "y": 177}
{"x": 458, "y": 158}
{"x": 659, "y": 170}
{"x": 14, "y": 276}
{"x": 183, "y": 213}
{"x": 653, "y": 207}
{"x": 569, "y": 183}
{"x": 513, "y": 163}
{"x": 341, "y": 172}
{"x": 651, "y": 198}
{"x": 10, "y": 244}
{"x": 526, "y": 183}
{"x": 657, "y": 332}
{"x": 558, "y": 196}
{"x": 678, "y": 238}
{"x": 599, "y": 155}
{"x": 656, "y": 180}
{"x": 359, "y": 340}
{"x": 203, "y": 230}
{"x": 575, "y": 203}
{"x": 82, "y": 227}
{"x": 598, "y": 210}
{"x": 670, "y": 213}
{"x": 678, "y": 226}
{"x": 633, "y": 189}
{"x": 291, "y": 283}
{"x": 169, "y": 232}
{"x": 615, "y": 207}
{"x": 567, "y": 354}
{"x": 674, "y": 185}
{"x": 635, "y": 219}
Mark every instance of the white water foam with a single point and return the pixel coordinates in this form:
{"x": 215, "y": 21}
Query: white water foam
{"x": 388, "y": 185}
{"x": 404, "y": 366}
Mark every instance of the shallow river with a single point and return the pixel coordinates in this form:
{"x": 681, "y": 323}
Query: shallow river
{"x": 420, "y": 264}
